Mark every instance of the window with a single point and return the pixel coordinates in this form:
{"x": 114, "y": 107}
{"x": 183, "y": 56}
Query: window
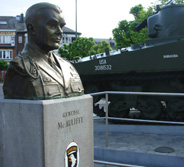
{"x": 20, "y": 39}
{"x": 5, "y": 39}
{"x": 6, "y": 54}
{"x": 11, "y": 55}
{"x": 1, "y": 39}
{"x": 3, "y": 22}
{"x": 112, "y": 44}
{"x": 69, "y": 40}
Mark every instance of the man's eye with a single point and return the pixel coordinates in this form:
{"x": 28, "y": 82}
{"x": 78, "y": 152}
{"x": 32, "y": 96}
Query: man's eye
{"x": 52, "y": 25}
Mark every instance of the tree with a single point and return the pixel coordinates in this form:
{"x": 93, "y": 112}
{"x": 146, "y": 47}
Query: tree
{"x": 101, "y": 46}
{"x": 3, "y": 65}
{"x": 125, "y": 34}
{"x": 82, "y": 47}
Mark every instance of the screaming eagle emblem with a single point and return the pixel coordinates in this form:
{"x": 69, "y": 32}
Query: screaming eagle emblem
{"x": 72, "y": 155}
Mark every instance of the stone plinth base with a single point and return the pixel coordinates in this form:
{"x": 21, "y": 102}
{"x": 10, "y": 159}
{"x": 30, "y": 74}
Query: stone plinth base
{"x": 46, "y": 133}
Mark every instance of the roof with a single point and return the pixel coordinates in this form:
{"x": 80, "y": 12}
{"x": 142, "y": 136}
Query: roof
{"x": 110, "y": 40}
{"x": 13, "y": 23}
{"x": 67, "y": 30}
{"x": 8, "y": 22}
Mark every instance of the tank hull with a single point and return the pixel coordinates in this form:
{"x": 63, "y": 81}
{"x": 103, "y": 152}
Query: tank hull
{"x": 167, "y": 57}
{"x": 157, "y": 68}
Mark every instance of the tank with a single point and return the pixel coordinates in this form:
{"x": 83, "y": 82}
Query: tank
{"x": 154, "y": 66}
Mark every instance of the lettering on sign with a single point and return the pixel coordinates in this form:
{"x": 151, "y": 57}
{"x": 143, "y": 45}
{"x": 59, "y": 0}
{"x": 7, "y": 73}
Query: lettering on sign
{"x": 70, "y": 121}
{"x": 7, "y": 33}
{"x": 102, "y": 61}
{"x": 103, "y": 66}
{"x": 170, "y": 56}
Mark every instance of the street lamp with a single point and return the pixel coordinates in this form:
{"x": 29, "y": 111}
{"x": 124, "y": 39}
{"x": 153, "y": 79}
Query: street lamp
{"x": 76, "y": 19}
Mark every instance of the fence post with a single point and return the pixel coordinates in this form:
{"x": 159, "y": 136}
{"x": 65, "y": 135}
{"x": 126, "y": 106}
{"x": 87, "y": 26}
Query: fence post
{"x": 106, "y": 119}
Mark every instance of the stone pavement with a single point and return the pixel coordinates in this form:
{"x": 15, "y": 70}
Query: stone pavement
{"x": 138, "y": 147}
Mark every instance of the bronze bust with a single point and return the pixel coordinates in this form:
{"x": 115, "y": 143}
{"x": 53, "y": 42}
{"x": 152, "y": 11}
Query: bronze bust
{"x": 38, "y": 73}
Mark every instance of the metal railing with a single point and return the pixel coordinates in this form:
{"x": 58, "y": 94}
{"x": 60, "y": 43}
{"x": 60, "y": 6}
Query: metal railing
{"x": 137, "y": 93}
{"x": 106, "y": 93}
{"x": 115, "y": 164}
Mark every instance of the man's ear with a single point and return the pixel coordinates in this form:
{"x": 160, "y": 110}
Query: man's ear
{"x": 30, "y": 29}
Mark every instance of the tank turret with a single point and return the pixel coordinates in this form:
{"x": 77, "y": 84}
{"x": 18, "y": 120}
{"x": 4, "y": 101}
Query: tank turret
{"x": 167, "y": 22}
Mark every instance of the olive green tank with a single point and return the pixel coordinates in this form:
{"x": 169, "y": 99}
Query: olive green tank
{"x": 155, "y": 66}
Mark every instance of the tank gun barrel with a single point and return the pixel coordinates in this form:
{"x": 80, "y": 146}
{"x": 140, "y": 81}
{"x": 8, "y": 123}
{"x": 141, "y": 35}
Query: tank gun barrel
{"x": 167, "y": 3}
{"x": 141, "y": 25}
{"x": 144, "y": 23}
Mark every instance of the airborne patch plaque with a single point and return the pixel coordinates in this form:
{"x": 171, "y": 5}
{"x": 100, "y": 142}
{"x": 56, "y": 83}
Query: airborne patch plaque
{"x": 72, "y": 155}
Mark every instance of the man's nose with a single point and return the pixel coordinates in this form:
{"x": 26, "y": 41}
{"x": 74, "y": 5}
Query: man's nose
{"x": 59, "y": 30}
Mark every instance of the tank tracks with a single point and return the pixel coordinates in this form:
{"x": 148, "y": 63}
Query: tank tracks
{"x": 150, "y": 107}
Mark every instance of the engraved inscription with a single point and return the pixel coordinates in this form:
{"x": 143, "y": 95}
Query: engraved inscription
{"x": 61, "y": 125}
{"x": 72, "y": 121}
{"x": 70, "y": 113}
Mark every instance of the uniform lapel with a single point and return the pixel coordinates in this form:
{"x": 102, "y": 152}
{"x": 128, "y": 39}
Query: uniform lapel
{"x": 65, "y": 67}
{"x": 51, "y": 72}
{"x": 45, "y": 66}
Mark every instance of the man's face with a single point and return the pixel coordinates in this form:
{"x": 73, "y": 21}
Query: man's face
{"x": 48, "y": 29}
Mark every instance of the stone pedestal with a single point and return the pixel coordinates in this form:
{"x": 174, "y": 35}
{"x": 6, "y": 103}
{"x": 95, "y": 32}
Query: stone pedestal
{"x": 46, "y": 133}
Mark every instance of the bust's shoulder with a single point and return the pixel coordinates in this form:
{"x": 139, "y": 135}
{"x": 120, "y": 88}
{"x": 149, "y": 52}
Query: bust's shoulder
{"x": 18, "y": 61}
{"x": 22, "y": 64}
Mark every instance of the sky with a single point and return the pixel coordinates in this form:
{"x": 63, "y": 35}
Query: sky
{"x": 95, "y": 18}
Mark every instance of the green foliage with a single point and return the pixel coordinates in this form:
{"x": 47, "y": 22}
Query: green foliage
{"x": 125, "y": 34}
{"x": 3, "y": 65}
{"x": 82, "y": 47}
{"x": 101, "y": 46}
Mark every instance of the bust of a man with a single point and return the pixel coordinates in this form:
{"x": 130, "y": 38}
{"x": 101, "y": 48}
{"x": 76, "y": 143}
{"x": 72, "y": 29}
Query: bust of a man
{"x": 38, "y": 73}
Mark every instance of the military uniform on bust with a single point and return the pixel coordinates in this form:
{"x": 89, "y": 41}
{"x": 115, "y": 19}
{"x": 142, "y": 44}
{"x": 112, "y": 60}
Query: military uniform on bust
{"x": 37, "y": 77}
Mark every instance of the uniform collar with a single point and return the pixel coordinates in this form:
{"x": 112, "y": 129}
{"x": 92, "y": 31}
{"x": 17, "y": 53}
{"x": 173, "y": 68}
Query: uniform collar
{"x": 42, "y": 61}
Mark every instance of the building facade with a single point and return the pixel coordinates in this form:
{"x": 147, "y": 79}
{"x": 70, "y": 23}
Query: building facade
{"x": 13, "y": 36}
{"x": 10, "y": 27}
{"x": 7, "y": 44}
{"x": 7, "y": 41}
